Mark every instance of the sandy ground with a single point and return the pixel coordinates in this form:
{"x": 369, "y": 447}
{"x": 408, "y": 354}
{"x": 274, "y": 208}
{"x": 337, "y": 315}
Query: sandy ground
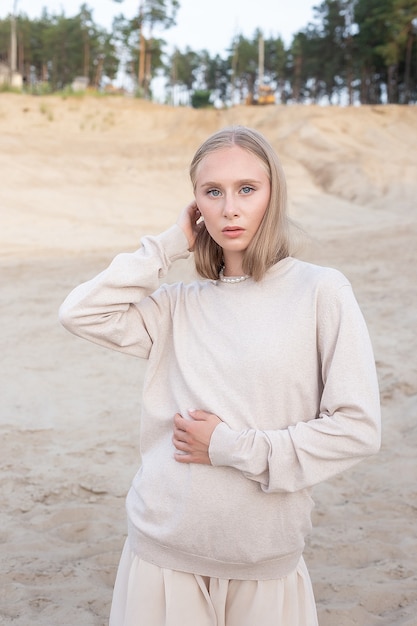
{"x": 84, "y": 179}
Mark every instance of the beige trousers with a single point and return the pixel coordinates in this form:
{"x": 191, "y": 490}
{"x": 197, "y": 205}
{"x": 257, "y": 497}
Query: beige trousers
{"x": 147, "y": 595}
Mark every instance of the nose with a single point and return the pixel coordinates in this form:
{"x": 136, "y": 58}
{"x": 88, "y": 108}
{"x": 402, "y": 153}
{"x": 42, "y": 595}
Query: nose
{"x": 230, "y": 209}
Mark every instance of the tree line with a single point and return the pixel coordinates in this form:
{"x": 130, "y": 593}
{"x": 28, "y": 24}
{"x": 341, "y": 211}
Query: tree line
{"x": 353, "y": 51}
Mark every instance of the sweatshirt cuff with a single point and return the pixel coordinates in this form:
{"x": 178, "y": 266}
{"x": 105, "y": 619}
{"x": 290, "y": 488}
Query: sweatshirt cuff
{"x": 174, "y": 243}
{"x": 222, "y": 445}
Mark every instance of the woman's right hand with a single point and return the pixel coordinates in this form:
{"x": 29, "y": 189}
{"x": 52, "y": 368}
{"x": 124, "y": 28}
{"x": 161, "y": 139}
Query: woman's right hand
{"x": 187, "y": 220}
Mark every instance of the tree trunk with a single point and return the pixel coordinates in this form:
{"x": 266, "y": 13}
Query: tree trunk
{"x": 142, "y": 49}
{"x": 349, "y": 71}
{"x": 297, "y": 79}
{"x": 233, "y": 76}
{"x": 13, "y": 47}
{"x": 86, "y": 57}
{"x": 99, "y": 71}
{"x": 392, "y": 84}
{"x": 148, "y": 70}
{"x": 407, "y": 72}
{"x": 21, "y": 55}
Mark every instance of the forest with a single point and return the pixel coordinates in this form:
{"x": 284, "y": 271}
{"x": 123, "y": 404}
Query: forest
{"x": 352, "y": 52}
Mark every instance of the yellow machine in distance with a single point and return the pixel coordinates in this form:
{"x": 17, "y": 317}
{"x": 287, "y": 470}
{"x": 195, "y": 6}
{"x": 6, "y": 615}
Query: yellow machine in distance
{"x": 265, "y": 95}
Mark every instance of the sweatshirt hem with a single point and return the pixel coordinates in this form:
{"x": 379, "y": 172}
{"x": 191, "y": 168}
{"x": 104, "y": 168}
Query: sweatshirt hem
{"x": 169, "y": 558}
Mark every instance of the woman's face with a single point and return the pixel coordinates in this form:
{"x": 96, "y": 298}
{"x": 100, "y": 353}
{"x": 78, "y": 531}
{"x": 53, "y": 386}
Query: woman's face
{"x": 232, "y": 192}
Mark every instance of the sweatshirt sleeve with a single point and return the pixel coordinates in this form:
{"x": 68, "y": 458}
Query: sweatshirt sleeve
{"x": 347, "y": 428}
{"x": 107, "y": 309}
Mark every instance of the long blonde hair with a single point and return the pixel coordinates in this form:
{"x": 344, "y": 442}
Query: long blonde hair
{"x": 271, "y": 241}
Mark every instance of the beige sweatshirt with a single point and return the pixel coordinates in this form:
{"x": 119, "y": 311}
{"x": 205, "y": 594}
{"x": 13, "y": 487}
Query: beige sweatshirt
{"x": 287, "y": 365}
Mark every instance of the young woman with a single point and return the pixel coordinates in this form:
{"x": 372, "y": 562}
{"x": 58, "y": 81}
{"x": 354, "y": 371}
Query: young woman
{"x": 261, "y": 383}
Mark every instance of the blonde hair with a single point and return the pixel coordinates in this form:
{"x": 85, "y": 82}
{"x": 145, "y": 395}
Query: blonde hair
{"x": 271, "y": 241}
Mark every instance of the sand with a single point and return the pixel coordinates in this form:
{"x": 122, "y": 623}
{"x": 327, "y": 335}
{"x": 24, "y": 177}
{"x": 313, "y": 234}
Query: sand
{"x": 82, "y": 179}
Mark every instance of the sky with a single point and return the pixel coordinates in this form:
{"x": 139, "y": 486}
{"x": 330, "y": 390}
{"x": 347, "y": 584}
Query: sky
{"x": 209, "y": 25}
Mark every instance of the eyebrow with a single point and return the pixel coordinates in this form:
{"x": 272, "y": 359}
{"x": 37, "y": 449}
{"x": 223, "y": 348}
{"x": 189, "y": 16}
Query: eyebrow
{"x": 244, "y": 181}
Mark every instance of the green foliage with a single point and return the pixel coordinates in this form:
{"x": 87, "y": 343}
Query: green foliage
{"x": 352, "y": 51}
{"x": 162, "y": 12}
{"x": 200, "y": 99}
{"x": 138, "y": 34}
{"x": 387, "y": 49}
{"x": 5, "y": 88}
{"x": 54, "y": 49}
{"x": 183, "y": 67}
{"x": 246, "y": 68}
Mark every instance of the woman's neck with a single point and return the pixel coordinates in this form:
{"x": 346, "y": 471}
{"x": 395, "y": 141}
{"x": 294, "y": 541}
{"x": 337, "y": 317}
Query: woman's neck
{"x": 233, "y": 264}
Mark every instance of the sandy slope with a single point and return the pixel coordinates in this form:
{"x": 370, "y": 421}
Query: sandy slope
{"x": 84, "y": 179}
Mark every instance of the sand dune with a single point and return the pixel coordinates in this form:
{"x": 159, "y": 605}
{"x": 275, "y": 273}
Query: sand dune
{"x": 82, "y": 179}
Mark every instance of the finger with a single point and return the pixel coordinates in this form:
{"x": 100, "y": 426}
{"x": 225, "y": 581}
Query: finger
{"x": 183, "y": 458}
{"x": 193, "y": 209}
{"x": 198, "y": 414}
{"x": 201, "y": 459}
{"x": 180, "y": 422}
{"x": 181, "y": 436}
{"x": 181, "y": 445}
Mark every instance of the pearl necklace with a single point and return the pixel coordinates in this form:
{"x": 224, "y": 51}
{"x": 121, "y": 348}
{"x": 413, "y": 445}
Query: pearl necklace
{"x": 231, "y": 279}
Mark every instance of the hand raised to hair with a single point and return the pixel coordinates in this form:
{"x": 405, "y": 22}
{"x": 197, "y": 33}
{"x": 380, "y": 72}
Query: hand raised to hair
{"x": 187, "y": 220}
{"x": 191, "y": 438}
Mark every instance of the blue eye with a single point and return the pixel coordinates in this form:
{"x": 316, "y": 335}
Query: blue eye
{"x": 246, "y": 189}
{"x": 215, "y": 193}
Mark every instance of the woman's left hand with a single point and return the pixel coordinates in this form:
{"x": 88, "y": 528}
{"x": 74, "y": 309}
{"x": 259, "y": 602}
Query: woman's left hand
{"x": 188, "y": 221}
{"x": 192, "y": 437}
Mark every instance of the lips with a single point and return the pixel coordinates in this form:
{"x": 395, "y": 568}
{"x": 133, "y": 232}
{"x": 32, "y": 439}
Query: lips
{"x": 232, "y": 231}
